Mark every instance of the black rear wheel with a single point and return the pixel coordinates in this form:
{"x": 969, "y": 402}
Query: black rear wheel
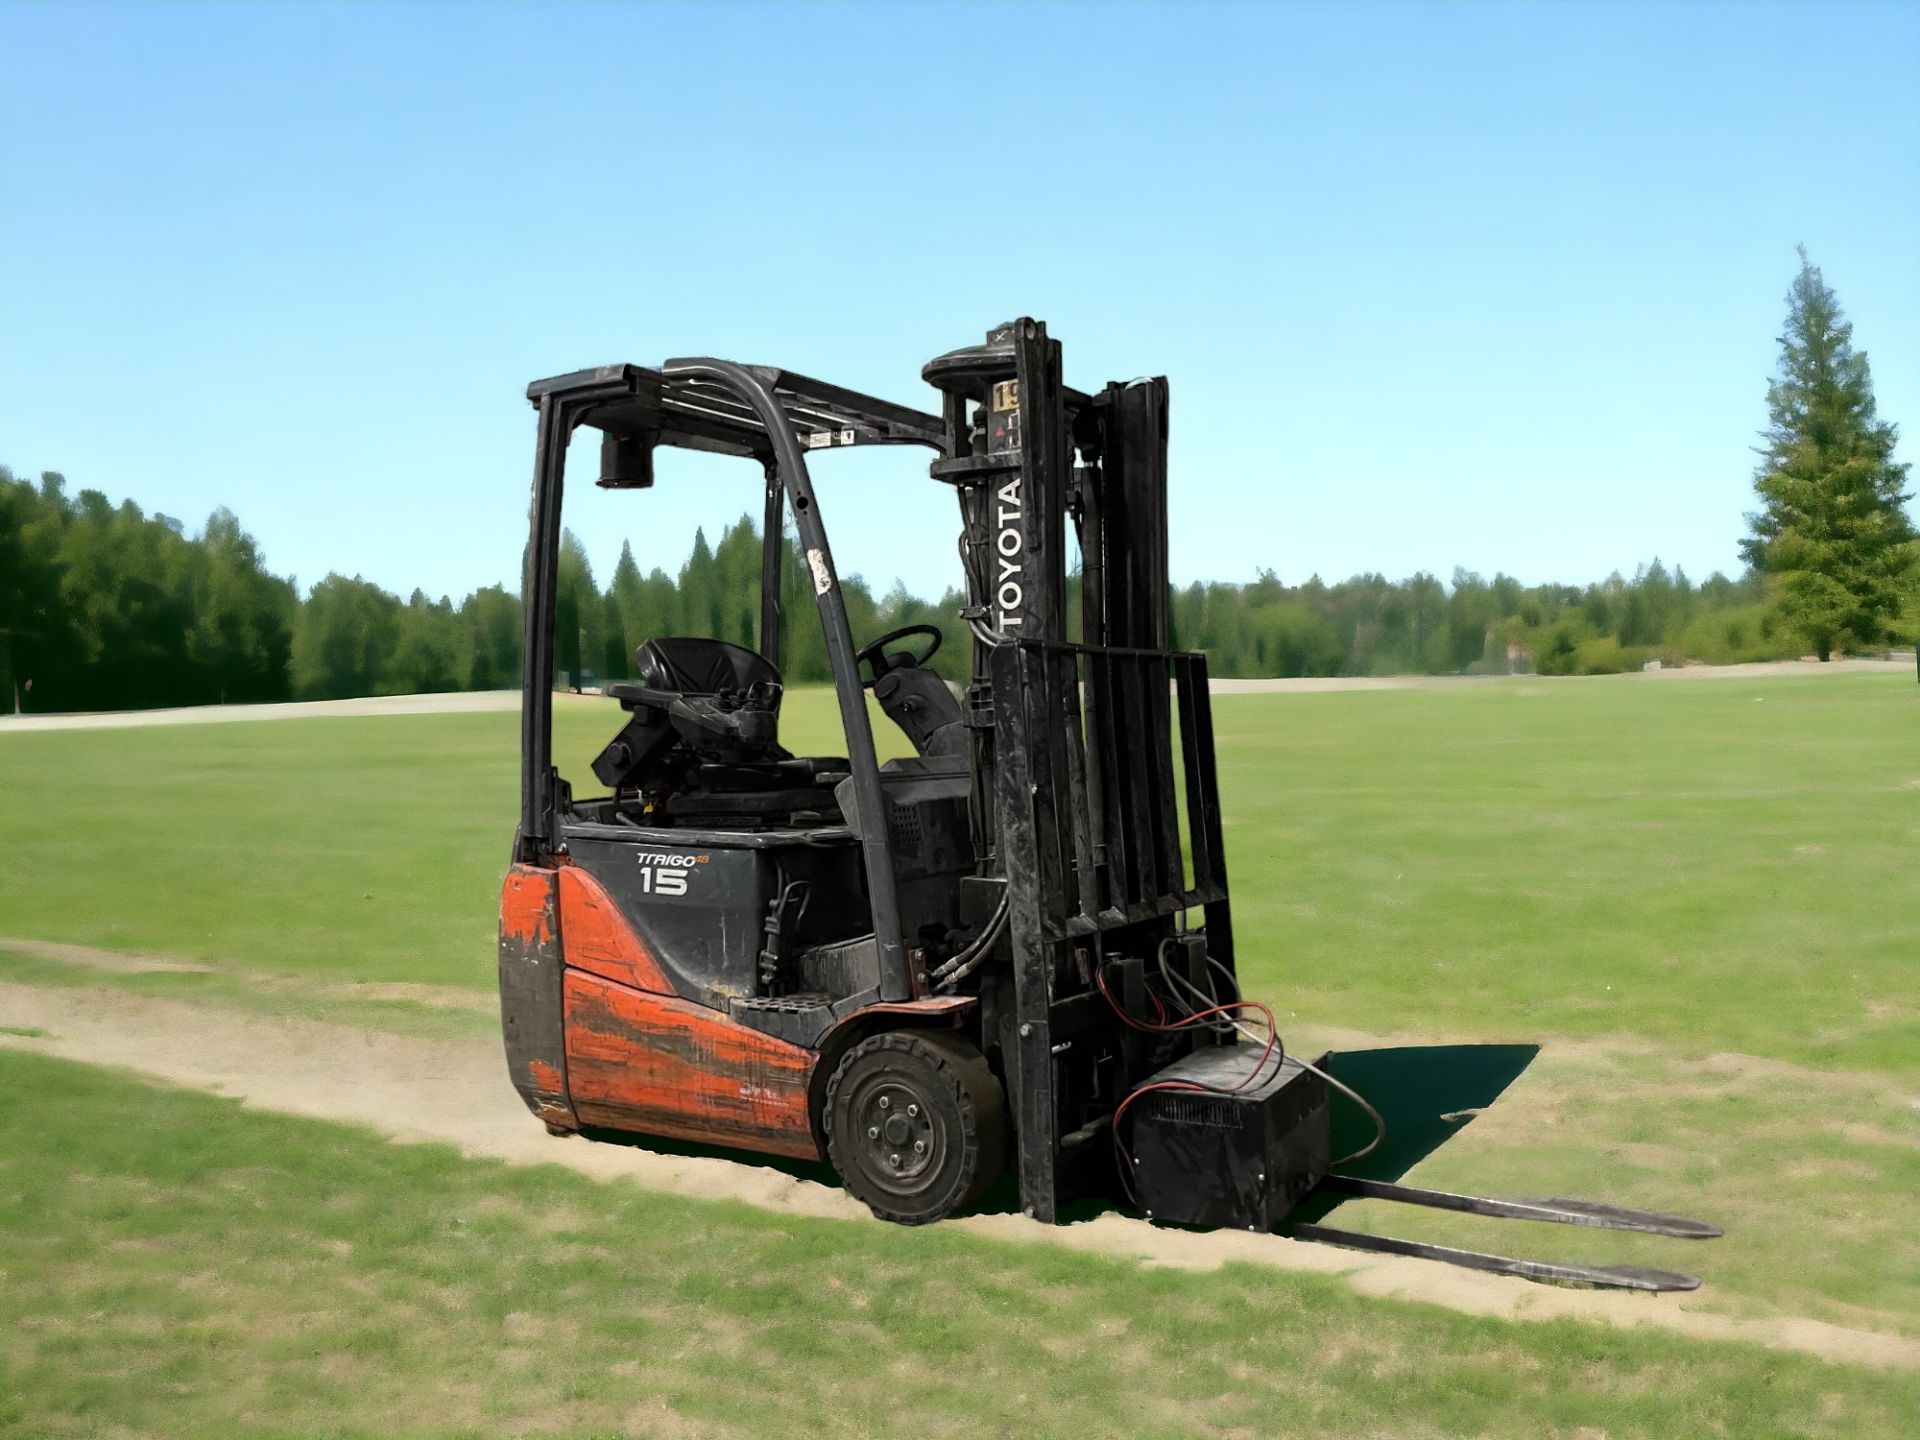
{"x": 916, "y": 1125}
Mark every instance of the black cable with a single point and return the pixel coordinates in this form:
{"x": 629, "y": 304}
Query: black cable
{"x": 1379, "y": 1121}
{"x": 963, "y": 964}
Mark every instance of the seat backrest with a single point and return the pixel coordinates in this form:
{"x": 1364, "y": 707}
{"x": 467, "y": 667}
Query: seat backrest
{"x": 689, "y": 665}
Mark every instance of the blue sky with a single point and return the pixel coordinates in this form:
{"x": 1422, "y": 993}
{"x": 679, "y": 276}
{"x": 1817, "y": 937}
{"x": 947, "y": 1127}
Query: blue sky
{"x": 1492, "y": 286}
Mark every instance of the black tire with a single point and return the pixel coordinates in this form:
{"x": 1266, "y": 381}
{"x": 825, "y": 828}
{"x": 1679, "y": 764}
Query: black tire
{"x": 907, "y": 1087}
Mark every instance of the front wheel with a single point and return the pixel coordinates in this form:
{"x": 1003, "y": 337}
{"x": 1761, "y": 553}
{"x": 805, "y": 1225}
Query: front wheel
{"x": 916, "y": 1125}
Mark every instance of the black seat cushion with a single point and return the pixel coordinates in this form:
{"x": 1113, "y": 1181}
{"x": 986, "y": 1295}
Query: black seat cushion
{"x": 721, "y": 701}
{"x": 691, "y": 665}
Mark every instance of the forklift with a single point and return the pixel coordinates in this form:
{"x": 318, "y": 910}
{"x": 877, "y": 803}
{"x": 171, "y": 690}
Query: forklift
{"x": 1012, "y": 950}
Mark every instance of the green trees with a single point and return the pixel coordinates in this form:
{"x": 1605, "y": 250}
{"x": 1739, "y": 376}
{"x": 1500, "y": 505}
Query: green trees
{"x": 31, "y": 617}
{"x": 345, "y": 640}
{"x": 241, "y": 633}
{"x": 104, "y": 607}
{"x": 426, "y": 652}
{"x": 490, "y": 624}
{"x": 638, "y": 607}
{"x": 1831, "y": 526}
{"x": 577, "y": 614}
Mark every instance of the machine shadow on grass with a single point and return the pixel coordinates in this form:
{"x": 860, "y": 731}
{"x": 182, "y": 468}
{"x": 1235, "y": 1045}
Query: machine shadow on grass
{"x": 1426, "y": 1093}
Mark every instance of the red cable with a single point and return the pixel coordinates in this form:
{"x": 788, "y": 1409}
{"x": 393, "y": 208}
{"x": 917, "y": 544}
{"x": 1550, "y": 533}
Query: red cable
{"x": 1185, "y": 1086}
{"x": 1100, "y": 980}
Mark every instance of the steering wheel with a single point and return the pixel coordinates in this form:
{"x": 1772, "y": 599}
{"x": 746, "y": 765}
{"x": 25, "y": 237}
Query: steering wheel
{"x": 873, "y": 654}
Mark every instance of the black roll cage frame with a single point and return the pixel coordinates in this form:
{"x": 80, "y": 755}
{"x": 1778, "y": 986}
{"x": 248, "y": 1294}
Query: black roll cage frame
{"x": 721, "y": 407}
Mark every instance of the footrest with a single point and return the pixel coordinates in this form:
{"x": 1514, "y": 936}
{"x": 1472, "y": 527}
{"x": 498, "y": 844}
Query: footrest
{"x": 799, "y": 1019}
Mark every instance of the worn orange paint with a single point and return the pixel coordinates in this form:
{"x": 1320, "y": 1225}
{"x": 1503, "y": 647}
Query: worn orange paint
{"x": 596, "y": 937}
{"x": 665, "y": 1066}
{"x": 526, "y": 904}
{"x": 545, "y": 1076}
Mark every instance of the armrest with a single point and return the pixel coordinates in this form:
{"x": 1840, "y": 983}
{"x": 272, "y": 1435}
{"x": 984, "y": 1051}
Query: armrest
{"x": 632, "y": 695}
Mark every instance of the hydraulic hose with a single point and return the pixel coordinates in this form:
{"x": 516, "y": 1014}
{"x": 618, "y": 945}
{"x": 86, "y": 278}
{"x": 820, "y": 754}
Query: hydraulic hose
{"x": 956, "y": 969}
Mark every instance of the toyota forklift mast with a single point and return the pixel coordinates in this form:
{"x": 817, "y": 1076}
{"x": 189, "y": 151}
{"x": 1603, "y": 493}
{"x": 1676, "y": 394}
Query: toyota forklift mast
{"x": 1012, "y": 949}
{"x": 1076, "y": 732}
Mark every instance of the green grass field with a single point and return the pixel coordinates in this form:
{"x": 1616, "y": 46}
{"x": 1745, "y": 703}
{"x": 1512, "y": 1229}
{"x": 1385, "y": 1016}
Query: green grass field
{"x": 1695, "y": 896}
{"x": 180, "y": 1267}
{"x": 1702, "y": 865}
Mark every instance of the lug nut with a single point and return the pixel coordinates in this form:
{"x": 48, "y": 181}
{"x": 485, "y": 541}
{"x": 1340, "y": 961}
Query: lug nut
{"x": 894, "y": 1160}
{"x": 913, "y": 1109}
{"x": 873, "y": 1132}
{"x": 919, "y": 1147}
{"x": 885, "y": 1102}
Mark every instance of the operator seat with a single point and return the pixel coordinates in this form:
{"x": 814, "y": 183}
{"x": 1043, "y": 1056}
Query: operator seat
{"x": 721, "y": 701}
{"x": 691, "y": 665}
{"x": 728, "y": 706}
{"x": 702, "y": 739}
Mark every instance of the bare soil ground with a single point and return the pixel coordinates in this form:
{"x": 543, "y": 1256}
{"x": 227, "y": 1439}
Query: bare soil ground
{"x": 455, "y": 1091}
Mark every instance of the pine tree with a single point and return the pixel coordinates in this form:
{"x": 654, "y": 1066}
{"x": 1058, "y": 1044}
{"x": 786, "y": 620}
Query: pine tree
{"x": 1833, "y": 526}
{"x": 577, "y": 635}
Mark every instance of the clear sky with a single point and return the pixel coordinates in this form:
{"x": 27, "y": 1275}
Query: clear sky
{"x": 1493, "y": 286}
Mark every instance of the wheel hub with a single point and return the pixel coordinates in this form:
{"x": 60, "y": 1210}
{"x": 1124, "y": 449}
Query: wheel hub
{"x": 903, "y": 1146}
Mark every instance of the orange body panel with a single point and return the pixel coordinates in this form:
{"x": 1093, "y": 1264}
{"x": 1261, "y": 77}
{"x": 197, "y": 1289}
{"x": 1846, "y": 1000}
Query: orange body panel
{"x": 596, "y": 937}
{"x": 666, "y": 1066}
{"x": 526, "y": 910}
{"x": 530, "y": 1016}
{"x": 633, "y": 1055}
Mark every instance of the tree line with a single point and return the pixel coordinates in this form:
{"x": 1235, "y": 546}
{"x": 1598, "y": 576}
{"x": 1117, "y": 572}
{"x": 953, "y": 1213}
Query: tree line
{"x": 104, "y": 607}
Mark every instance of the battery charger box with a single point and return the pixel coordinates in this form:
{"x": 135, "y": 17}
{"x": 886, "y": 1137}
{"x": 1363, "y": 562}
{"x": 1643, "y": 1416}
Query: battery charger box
{"x": 1229, "y": 1157}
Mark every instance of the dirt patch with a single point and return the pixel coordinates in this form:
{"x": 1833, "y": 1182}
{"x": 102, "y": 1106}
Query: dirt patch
{"x": 127, "y": 962}
{"x": 456, "y": 1092}
{"x": 460, "y": 703}
{"x": 437, "y": 997}
{"x": 1855, "y": 1132}
{"x": 116, "y": 962}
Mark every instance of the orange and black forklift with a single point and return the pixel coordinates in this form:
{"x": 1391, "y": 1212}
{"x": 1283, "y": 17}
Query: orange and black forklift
{"x": 1012, "y": 949}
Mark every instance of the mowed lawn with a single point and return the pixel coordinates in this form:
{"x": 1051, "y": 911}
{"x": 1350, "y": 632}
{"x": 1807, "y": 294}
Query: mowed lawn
{"x": 1695, "y": 896}
{"x": 175, "y": 1266}
{"x": 1703, "y": 865}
